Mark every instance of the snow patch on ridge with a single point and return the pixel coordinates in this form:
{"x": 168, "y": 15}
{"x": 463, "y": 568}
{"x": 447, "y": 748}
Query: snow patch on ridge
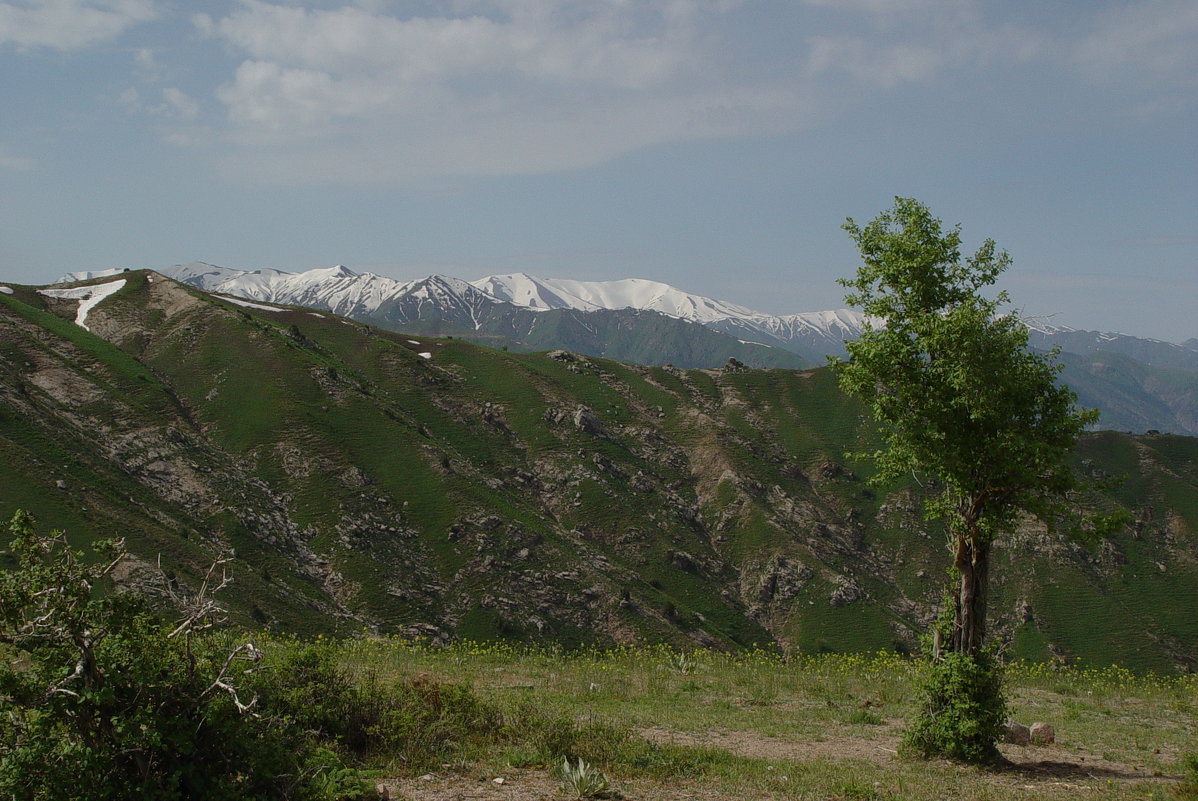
{"x": 88, "y": 296}
{"x": 249, "y": 305}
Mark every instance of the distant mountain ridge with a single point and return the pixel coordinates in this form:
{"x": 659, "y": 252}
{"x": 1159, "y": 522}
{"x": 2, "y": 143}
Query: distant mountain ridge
{"x": 1139, "y": 384}
{"x": 812, "y": 335}
{"x": 804, "y": 333}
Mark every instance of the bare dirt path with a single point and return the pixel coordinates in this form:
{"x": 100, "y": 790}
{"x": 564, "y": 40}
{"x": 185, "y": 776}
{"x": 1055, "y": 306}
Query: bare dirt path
{"x": 1031, "y": 772}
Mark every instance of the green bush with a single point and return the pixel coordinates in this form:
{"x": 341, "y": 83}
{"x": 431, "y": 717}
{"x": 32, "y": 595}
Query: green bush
{"x": 553, "y": 738}
{"x": 416, "y": 723}
{"x": 423, "y": 723}
{"x": 102, "y": 700}
{"x": 961, "y": 709}
{"x": 306, "y": 684}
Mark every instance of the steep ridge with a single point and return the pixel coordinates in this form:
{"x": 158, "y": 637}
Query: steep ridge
{"x": 392, "y": 482}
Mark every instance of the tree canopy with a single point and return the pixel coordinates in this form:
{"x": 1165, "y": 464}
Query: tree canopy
{"x": 947, "y": 373}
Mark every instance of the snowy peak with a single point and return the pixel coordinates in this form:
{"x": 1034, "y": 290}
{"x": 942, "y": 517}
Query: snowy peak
{"x": 819, "y": 330}
{"x": 440, "y": 297}
{"x": 530, "y": 292}
{"x": 629, "y": 293}
{"x": 338, "y": 289}
{"x": 442, "y": 286}
{"x": 207, "y": 277}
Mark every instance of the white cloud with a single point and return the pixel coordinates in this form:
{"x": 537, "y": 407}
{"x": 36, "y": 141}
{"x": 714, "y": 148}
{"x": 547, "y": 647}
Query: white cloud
{"x": 494, "y": 139}
{"x": 879, "y": 7}
{"x": 266, "y": 99}
{"x": 893, "y": 42}
{"x": 8, "y": 161}
{"x": 871, "y": 63}
{"x": 596, "y": 43}
{"x": 500, "y": 87}
{"x": 69, "y": 24}
{"x": 175, "y": 104}
{"x": 1151, "y": 40}
{"x": 179, "y": 103}
{"x": 380, "y": 91}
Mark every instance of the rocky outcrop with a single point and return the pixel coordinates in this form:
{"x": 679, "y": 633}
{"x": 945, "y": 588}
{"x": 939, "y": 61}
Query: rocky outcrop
{"x": 846, "y": 592}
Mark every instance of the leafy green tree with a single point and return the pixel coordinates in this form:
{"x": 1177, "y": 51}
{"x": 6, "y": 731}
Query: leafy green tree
{"x": 959, "y": 396}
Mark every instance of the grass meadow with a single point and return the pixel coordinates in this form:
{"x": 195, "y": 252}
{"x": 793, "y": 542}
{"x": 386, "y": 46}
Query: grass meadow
{"x": 665, "y": 724}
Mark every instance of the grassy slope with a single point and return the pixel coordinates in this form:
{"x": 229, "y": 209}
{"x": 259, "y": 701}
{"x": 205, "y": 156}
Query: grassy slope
{"x": 363, "y": 484}
{"x": 708, "y": 725}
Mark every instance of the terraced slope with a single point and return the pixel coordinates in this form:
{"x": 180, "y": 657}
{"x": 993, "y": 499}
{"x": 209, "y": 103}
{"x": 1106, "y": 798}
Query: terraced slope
{"x": 364, "y": 478}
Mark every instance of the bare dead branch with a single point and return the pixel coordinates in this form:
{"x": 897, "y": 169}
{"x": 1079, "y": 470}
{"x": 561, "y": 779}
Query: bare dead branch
{"x": 200, "y": 611}
{"x": 246, "y": 652}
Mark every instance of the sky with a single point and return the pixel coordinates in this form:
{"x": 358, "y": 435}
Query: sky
{"x": 715, "y": 145}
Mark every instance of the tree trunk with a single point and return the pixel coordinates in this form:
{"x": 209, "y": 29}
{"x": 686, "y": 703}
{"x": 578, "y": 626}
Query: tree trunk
{"x": 969, "y": 619}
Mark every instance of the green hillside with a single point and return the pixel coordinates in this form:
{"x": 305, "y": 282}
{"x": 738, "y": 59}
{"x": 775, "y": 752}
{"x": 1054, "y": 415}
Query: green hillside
{"x": 368, "y": 479}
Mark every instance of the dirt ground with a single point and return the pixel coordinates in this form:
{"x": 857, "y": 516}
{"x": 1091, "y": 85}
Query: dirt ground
{"x": 1053, "y": 770}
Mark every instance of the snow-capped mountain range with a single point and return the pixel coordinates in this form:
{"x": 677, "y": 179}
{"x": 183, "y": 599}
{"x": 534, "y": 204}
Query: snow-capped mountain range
{"x": 1139, "y": 384}
{"x": 637, "y": 293}
{"x": 367, "y": 296}
{"x": 477, "y": 305}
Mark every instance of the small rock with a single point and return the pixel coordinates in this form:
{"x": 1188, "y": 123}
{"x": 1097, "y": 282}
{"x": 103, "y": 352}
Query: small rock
{"x": 428, "y": 777}
{"x": 1017, "y": 733}
{"x": 1043, "y": 734}
{"x": 1024, "y": 610}
{"x": 498, "y": 780}
{"x": 585, "y": 420}
{"x": 846, "y": 592}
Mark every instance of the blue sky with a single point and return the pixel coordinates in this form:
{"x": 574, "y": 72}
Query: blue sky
{"x": 716, "y": 145}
